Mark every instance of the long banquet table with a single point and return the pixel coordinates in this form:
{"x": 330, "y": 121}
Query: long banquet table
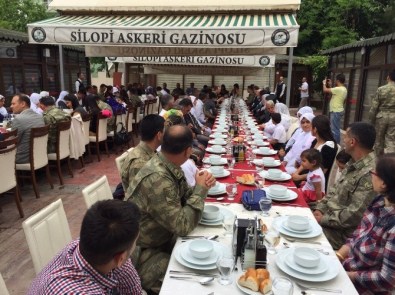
{"x": 279, "y": 210}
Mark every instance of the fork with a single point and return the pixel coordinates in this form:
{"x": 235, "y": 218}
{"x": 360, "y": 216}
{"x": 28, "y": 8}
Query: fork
{"x": 304, "y": 288}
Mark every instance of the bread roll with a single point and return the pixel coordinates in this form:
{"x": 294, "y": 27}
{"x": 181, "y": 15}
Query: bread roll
{"x": 265, "y": 286}
{"x": 256, "y": 280}
{"x": 249, "y": 282}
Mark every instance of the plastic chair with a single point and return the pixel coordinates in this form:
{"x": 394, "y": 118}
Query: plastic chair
{"x": 62, "y": 148}
{"x": 7, "y": 171}
{"x": 47, "y": 232}
{"x": 38, "y": 157}
{"x": 3, "y": 287}
{"x": 97, "y": 191}
{"x": 101, "y": 135}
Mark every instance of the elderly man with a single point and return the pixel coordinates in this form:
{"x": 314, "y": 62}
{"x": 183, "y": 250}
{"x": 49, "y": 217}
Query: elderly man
{"x": 151, "y": 134}
{"x": 24, "y": 122}
{"x": 167, "y": 102}
{"x": 98, "y": 262}
{"x": 170, "y": 208}
{"x": 341, "y": 210}
{"x": 52, "y": 116}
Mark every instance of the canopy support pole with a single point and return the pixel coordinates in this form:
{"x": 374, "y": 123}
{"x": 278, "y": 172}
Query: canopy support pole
{"x": 289, "y": 77}
{"x": 61, "y": 68}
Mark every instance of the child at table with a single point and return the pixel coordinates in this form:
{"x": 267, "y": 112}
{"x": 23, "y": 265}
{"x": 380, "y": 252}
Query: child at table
{"x": 314, "y": 188}
{"x": 342, "y": 159}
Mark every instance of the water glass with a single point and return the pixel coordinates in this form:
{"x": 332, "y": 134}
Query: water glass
{"x": 225, "y": 265}
{"x": 259, "y": 180}
{"x": 231, "y": 162}
{"x": 282, "y": 286}
{"x": 271, "y": 240}
{"x": 265, "y": 204}
{"x": 231, "y": 190}
{"x": 228, "y": 223}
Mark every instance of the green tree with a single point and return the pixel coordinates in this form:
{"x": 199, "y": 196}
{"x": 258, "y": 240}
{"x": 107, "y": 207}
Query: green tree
{"x": 16, "y": 14}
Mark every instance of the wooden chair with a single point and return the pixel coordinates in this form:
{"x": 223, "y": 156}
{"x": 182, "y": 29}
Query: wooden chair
{"x": 3, "y": 287}
{"x": 97, "y": 191}
{"x": 78, "y": 140}
{"x": 38, "y": 157}
{"x": 119, "y": 118}
{"x": 130, "y": 115}
{"x": 47, "y": 232}
{"x": 101, "y": 135}
{"x": 10, "y": 134}
{"x": 8, "y": 172}
{"x": 62, "y": 148}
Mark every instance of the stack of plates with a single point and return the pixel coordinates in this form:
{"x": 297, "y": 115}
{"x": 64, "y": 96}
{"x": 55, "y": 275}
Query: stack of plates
{"x": 215, "y": 141}
{"x": 225, "y": 173}
{"x": 325, "y": 271}
{"x": 210, "y": 150}
{"x": 223, "y": 161}
{"x": 271, "y": 152}
{"x": 259, "y": 162}
{"x": 264, "y": 143}
{"x": 218, "y": 135}
{"x": 289, "y": 196}
{"x": 217, "y": 190}
{"x": 218, "y": 221}
{"x": 314, "y": 229}
{"x": 284, "y": 176}
{"x": 184, "y": 257}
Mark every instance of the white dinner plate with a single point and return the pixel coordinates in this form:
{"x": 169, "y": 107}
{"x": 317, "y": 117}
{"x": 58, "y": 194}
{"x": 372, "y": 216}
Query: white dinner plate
{"x": 216, "y": 220}
{"x": 259, "y": 162}
{"x": 221, "y": 189}
{"x": 210, "y": 150}
{"x": 218, "y": 136}
{"x": 214, "y": 142}
{"x": 320, "y": 268}
{"x": 291, "y": 195}
{"x": 225, "y": 212}
{"x": 264, "y": 143}
{"x": 270, "y": 153}
{"x": 331, "y": 273}
{"x": 219, "y": 248}
{"x": 222, "y": 162}
{"x": 187, "y": 256}
{"x": 316, "y": 229}
{"x": 284, "y": 225}
{"x": 220, "y": 130}
{"x": 226, "y": 173}
{"x": 284, "y": 176}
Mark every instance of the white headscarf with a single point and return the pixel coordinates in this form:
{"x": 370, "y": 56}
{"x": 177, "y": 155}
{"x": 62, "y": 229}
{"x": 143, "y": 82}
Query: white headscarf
{"x": 304, "y": 110}
{"x": 34, "y": 100}
{"x": 307, "y": 116}
{"x": 61, "y": 97}
{"x": 282, "y": 109}
{"x": 44, "y": 93}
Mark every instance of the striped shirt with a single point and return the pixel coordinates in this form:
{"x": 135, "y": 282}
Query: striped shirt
{"x": 372, "y": 253}
{"x": 70, "y": 273}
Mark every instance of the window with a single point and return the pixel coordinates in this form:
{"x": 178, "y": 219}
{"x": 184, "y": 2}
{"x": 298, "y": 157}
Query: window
{"x": 377, "y": 56}
{"x": 372, "y": 83}
{"x": 12, "y": 79}
{"x": 33, "y": 79}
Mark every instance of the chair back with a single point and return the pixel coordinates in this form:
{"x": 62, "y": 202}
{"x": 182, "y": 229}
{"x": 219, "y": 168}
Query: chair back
{"x": 119, "y": 161}
{"x": 10, "y": 134}
{"x": 86, "y": 120}
{"x": 7, "y": 160}
{"x": 291, "y": 129}
{"x": 137, "y": 115}
{"x": 3, "y": 287}
{"x": 101, "y": 131}
{"x": 47, "y": 232}
{"x": 152, "y": 106}
{"x": 38, "y": 147}
{"x": 333, "y": 173}
{"x": 63, "y": 139}
{"x": 97, "y": 191}
{"x": 129, "y": 119}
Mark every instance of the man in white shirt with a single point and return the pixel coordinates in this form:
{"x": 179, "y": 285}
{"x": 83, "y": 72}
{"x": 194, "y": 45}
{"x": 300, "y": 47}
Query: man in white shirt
{"x": 304, "y": 93}
{"x": 167, "y": 102}
{"x": 79, "y": 85}
{"x": 279, "y": 136}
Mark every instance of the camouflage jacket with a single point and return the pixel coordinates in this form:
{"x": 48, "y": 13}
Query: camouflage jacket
{"x": 344, "y": 205}
{"x": 51, "y": 116}
{"x": 135, "y": 101}
{"x": 383, "y": 101}
{"x": 168, "y": 205}
{"x": 134, "y": 161}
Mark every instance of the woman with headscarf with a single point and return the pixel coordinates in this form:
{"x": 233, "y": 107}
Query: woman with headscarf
{"x": 60, "y": 102}
{"x": 34, "y": 101}
{"x": 298, "y": 130}
{"x": 303, "y": 142}
{"x": 283, "y": 110}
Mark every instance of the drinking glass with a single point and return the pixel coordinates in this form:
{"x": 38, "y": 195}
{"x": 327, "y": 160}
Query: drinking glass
{"x": 282, "y": 286}
{"x": 265, "y": 204}
{"x": 227, "y": 222}
{"x": 271, "y": 240}
{"x": 225, "y": 265}
{"x": 231, "y": 189}
{"x": 231, "y": 162}
{"x": 259, "y": 180}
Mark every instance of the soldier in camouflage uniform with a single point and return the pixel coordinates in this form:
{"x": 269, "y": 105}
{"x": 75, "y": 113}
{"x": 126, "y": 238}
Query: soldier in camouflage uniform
{"x": 52, "y": 116}
{"x": 341, "y": 210}
{"x": 169, "y": 207}
{"x": 151, "y": 133}
{"x": 382, "y": 115}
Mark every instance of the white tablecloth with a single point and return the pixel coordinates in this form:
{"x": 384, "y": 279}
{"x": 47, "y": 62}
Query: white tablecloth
{"x": 174, "y": 287}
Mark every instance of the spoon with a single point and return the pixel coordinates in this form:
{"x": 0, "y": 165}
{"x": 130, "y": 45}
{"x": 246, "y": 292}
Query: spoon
{"x": 202, "y": 281}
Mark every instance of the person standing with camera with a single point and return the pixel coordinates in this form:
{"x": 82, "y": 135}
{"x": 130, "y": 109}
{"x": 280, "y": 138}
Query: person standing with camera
{"x": 304, "y": 93}
{"x": 336, "y": 104}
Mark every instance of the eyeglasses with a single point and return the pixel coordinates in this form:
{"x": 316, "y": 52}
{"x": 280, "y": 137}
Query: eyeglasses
{"x": 373, "y": 173}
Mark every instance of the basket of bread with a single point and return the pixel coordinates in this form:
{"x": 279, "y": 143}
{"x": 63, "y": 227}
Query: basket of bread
{"x": 247, "y": 179}
{"x": 239, "y": 139}
{"x": 257, "y": 280}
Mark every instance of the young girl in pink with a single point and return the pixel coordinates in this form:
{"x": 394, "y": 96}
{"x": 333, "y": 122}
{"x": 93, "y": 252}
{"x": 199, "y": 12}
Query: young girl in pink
{"x": 314, "y": 188}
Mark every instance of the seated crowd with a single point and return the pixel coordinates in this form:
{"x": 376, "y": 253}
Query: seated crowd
{"x": 165, "y": 192}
